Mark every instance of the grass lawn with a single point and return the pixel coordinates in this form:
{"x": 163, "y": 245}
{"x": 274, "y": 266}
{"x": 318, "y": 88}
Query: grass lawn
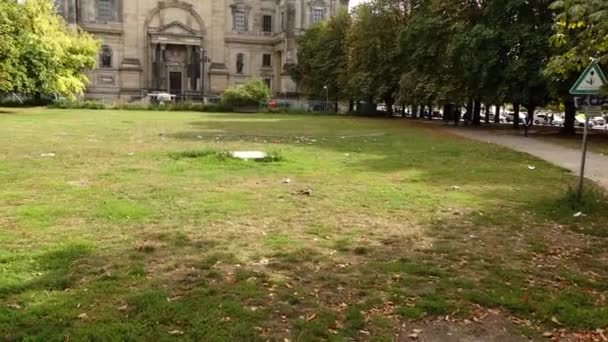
{"x": 139, "y": 228}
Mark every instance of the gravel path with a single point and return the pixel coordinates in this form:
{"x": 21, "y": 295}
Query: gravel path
{"x": 568, "y": 158}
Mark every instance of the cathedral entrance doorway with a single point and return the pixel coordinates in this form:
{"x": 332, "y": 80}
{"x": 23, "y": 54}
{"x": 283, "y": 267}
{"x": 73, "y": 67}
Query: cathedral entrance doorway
{"x": 175, "y": 82}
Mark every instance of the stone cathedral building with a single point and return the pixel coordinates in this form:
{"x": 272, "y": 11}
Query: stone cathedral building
{"x": 193, "y": 48}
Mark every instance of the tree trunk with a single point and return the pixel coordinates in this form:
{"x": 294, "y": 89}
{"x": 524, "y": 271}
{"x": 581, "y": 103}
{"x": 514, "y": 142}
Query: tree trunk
{"x": 516, "y": 107}
{"x": 403, "y": 111}
{"x": 337, "y": 110}
{"x": 414, "y": 112}
{"x": 468, "y": 115}
{"x": 531, "y": 110}
{"x": 457, "y": 113}
{"x": 497, "y": 114}
{"x": 487, "y": 107}
{"x": 351, "y": 106}
{"x": 446, "y": 113}
{"x": 530, "y": 119}
{"x": 389, "y": 107}
{"x": 477, "y": 113}
{"x": 430, "y": 112}
{"x": 570, "y": 117}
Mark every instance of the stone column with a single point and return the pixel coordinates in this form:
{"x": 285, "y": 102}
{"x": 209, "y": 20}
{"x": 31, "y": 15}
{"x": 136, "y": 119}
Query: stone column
{"x": 163, "y": 68}
{"x": 189, "y": 68}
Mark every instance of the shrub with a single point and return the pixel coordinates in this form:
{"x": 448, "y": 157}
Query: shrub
{"x": 66, "y": 104}
{"x": 185, "y": 106}
{"x": 252, "y": 93}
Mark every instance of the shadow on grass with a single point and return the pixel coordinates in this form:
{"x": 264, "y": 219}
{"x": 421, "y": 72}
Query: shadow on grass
{"x": 298, "y": 292}
{"x": 51, "y": 271}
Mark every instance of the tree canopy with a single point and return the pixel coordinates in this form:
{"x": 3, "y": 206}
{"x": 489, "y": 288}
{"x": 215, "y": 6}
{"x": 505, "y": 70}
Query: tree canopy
{"x": 39, "y": 53}
{"x": 456, "y": 52}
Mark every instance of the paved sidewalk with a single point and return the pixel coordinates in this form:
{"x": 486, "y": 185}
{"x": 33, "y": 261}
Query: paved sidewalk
{"x": 568, "y": 158}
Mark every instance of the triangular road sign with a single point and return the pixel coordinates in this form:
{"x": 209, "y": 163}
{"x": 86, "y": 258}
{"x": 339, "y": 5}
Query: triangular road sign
{"x": 590, "y": 82}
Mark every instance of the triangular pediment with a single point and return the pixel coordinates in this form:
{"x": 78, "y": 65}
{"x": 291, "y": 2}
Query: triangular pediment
{"x": 176, "y": 28}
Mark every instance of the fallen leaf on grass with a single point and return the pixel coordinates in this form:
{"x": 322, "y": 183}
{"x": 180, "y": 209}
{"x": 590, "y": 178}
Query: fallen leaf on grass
{"x": 83, "y": 316}
{"x": 311, "y": 317}
{"x": 176, "y": 332}
{"x": 14, "y": 306}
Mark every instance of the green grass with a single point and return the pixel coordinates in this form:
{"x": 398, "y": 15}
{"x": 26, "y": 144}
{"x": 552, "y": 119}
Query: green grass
{"x": 142, "y": 227}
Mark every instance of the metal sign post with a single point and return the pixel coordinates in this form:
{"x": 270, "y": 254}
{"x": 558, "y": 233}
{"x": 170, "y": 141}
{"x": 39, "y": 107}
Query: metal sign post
{"x": 581, "y": 179}
{"x": 589, "y": 83}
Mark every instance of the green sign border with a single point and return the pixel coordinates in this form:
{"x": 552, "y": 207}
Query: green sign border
{"x": 593, "y": 66}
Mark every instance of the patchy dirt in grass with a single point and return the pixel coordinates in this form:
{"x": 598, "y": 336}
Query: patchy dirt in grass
{"x": 492, "y": 328}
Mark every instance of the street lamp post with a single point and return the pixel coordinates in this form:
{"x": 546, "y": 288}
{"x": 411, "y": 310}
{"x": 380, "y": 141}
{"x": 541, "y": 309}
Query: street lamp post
{"x": 326, "y": 97}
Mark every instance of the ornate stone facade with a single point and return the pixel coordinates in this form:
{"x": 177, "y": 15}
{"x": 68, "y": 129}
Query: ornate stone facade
{"x": 193, "y": 47}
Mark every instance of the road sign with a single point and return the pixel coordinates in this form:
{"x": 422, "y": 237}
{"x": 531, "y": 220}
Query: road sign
{"x": 590, "y": 82}
{"x": 582, "y": 101}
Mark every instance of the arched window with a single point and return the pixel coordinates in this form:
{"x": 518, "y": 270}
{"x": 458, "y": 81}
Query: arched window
{"x": 105, "y": 57}
{"x": 240, "y": 63}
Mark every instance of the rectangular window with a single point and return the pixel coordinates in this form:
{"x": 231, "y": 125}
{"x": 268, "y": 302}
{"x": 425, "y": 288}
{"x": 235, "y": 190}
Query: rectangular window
{"x": 318, "y": 14}
{"x": 267, "y": 23}
{"x": 267, "y": 60}
{"x": 240, "y": 24}
{"x": 268, "y": 82}
{"x": 105, "y": 10}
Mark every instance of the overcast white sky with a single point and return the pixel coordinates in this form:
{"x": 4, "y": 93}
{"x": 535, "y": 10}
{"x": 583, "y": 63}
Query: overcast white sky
{"x": 354, "y": 3}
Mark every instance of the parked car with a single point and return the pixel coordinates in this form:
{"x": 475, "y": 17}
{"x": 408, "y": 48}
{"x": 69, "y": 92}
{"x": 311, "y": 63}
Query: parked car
{"x": 501, "y": 118}
{"x": 510, "y": 116}
{"x": 437, "y": 114}
{"x": 580, "y": 121}
{"x": 558, "y": 120}
{"x": 598, "y": 121}
{"x": 542, "y": 119}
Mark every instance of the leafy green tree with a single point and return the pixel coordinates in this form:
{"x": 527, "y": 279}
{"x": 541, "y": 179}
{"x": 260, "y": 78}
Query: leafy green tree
{"x": 374, "y": 61}
{"x": 527, "y": 29}
{"x": 322, "y": 59}
{"x": 427, "y": 71}
{"x": 581, "y": 29}
{"x": 581, "y": 34}
{"x": 39, "y": 53}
